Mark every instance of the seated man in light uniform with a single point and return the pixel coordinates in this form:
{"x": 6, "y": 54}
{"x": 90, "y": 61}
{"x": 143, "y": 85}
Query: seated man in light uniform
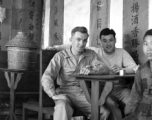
{"x": 115, "y": 59}
{"x": 73, "y": 60}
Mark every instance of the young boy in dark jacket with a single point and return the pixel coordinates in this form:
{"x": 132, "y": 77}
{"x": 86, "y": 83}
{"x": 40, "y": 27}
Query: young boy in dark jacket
{"x": 140, "y": 104}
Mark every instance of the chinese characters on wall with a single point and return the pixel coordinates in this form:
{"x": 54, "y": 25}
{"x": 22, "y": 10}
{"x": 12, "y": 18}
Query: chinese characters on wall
{"x": 99, "y": 19}
{"x": 56, "y": 35}
{"x": 0, "y": 27}
{"x": 135, "y": 24}
{"x": 34, "y": 18}
{"x": 4, "y": 26}
{"x": 56, "y": 22}
{"x": 23, "y": 15}
{"x": 135, "y": 31}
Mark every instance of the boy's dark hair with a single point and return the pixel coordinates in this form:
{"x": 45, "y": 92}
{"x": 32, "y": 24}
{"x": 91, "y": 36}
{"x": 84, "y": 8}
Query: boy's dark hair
{"x": 79, "y": 29}
{"x": 148, "y": 32}
{"x": 107, "y": 31}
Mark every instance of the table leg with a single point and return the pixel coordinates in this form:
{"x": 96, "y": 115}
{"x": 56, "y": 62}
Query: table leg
{"x": 12, "y": 97}
{"x": 12, "y": 84}
{"x": 85, "y": 89}
{"x": 95, "y": 95}
{"x": 95, "y": 114}
{"x": 106, "y": 91}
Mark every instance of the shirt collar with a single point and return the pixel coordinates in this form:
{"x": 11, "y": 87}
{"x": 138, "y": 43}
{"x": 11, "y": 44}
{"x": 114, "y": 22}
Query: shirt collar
{"x": 69, "y": 53}
{"x": 107, "y": 55}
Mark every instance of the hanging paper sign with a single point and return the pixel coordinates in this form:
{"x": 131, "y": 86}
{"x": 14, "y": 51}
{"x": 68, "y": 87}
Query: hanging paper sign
{"x": 56, "y": 22}
{"x": 99, "y": 19}
{"x": 2, "y": 14}
{"x": 4, "y": 28}
{"x": 135, "y": 24}
{"x": 27, "y": 18}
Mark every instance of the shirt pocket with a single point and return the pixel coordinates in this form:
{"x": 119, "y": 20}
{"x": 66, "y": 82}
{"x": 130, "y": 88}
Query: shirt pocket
{"x": 69, "y": 70}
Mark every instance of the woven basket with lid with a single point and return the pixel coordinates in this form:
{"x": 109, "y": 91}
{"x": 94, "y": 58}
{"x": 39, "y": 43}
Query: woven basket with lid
{"x": 21, "y": 52}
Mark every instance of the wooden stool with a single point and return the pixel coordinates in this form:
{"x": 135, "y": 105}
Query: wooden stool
{"x": 34, "y": 106}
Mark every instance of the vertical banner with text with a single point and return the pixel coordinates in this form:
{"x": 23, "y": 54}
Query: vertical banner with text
{"x": 99, "y": 19}
{"x": 21, "y": 15}
{"x": 135, "y": 24}
{"x": 56, "y": 22}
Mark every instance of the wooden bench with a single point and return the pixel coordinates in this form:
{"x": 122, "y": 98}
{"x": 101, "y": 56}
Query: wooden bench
{"x": 34, "y": 106}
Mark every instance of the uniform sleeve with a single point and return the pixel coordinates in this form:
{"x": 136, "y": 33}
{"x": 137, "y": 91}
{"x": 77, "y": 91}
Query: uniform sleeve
{"x": 128, "y": 63}
{"x": 136, "y": 95}
{"x": 51, "y": 74}
{"x": 98, "y": 66}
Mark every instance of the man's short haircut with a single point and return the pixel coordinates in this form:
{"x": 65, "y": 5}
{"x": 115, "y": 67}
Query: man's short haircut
{"x": 107, "y": 31}
{"x": 148, "y": 32}
{"x": 79, "y": 29}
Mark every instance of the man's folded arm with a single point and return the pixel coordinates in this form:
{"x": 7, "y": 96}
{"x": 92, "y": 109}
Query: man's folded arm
{"x": 98, "y": 66}
{"x": 128, "y": 63}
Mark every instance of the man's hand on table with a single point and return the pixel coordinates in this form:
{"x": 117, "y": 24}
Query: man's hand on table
{"x": 86, "y": 70}
{"x": 89, "y": 69}
{"x": 115, "y": 68}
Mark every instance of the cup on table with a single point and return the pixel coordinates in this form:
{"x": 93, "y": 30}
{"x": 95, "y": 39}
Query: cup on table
{"x": 121, "y": 72}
